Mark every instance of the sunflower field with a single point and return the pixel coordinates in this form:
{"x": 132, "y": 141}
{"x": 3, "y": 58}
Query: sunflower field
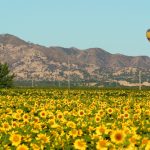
{"x": 82, "y": 119}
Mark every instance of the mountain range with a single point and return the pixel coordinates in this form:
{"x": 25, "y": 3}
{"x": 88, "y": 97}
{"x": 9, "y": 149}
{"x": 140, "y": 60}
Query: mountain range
{"x": 94, "y": 65}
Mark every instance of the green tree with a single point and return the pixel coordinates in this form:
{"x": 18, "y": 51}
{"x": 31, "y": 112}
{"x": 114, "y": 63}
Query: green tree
{"x": 6, "y": 79}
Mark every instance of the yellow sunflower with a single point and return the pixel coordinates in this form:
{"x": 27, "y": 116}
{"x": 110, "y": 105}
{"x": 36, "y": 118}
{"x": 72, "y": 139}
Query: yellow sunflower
{"x": 80, "y": 144}
{"x": 118, "y": 136}
{"x": 22, "y": 147}
{"x": 148, "y": 146}
{"x": 101, "y": 112}
{"x": 110, "y": 110}
{"x": 97, "y": 118}
{"x": 71, "y": 124}
{"x": 19, "y": 111}
{"x": 51, "y": 122}
{"x": 126, "y": 115}
{"x": 14, "y": 124}
{"x": 34, "y": 146}
{"x": 60, "y": 116}
{"x": 101, "y": 130}
{"x": 80, "y": 132}
{"x": 144, "y": 141}
{"x": 43, "y": 138}
{"x": 102, "y": 144}
{"x": 25, "y": 116}
{"x": 6, "y": 126}
{"x": 9, "y": 111}
{"x": 16, "y": 116}
{"x": 36, "y": 119}
{"x": 43, "y": 114}
{"x": 81, "y": 113}
{"x": 73, "y": 133}
{"x": 15, "y": 139}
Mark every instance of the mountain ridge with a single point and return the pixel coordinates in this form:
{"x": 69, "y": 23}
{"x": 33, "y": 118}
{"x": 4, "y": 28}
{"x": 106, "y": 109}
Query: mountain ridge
{"x": 28, "y": 60}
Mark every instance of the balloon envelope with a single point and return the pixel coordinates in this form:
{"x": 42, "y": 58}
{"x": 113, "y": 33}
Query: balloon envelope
{"x": 148, "y": 34}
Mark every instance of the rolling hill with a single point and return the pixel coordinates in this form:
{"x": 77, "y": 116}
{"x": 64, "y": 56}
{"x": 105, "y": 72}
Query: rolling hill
{"x": 94, "y": 65}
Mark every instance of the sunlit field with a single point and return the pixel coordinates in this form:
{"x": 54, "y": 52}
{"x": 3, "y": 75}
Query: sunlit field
{"x": 49, "y": 119}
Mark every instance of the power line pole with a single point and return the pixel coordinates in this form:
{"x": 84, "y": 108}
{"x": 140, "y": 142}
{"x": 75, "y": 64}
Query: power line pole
{"x": 32, "y": 83}
{"x": 59, "y": 83}
{"x": 88, "y": 77}
{"x": 32, "y": 78}
{"x": 54, "y": 79}
{"x": 140, "y": 85}
{"x": 68, "y": 73}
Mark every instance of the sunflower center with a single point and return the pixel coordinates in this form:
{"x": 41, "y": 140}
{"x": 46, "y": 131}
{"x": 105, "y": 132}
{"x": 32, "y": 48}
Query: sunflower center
{"x": 97, "y": 119}
{"x": 6, "y": 125}
{"x": 60, "y": 116}
{"x": 22, "y": 148}
{"x": 103, "y": 143}
{"x": 118, "y": 136}
{"x": 43, "y": 114}
{"x": 16, "y": 138}
{"x": 80, "y": 144}
{"x": 81, "y": 113}
{"x": 102, "y": 130}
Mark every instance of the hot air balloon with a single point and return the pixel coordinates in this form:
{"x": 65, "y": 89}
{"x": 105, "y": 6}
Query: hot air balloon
{"x": 148, "y": 34}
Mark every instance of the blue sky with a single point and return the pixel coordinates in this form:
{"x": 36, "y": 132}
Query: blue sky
{"x": 114, "y": 25}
